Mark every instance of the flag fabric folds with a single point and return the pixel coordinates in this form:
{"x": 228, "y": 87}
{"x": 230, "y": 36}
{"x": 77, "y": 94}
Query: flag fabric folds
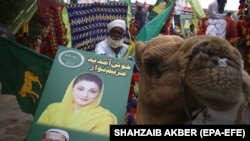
{"x": 153, "y": 27}
{"x": 23, "y": 72}
{"x": 129, "y": 13}
{"x": 197, "y": 9}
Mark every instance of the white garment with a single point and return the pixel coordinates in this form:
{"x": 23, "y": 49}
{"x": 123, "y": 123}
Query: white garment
{"x": 216, "y": 27}
{"x": 117, "y": 23}
{"x": 104, "y": 49}
{"x": 216, "y": 21}
{"x": 81, "y": 1}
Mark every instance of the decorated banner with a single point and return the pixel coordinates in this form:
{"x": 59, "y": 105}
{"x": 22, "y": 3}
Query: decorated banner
{"x": 54, "y": 29}
{"x": 88, "y": 22}
{"x": 159, "y": 7}
{"x": 186, "y": 21}
{"x": 85, "y": 93}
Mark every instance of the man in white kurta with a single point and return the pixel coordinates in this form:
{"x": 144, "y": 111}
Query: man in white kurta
{"x": 113, "y": 45}
{"x": 216, "y": 21}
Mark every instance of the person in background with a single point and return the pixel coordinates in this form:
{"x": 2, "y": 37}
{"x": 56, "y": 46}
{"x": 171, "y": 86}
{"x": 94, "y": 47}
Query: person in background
{"x": 55, "y": 135}
{"x": 37, "y": 43}
{"x": 24, "y": 39}
{"x": 216, "y": 19}
{"x": 230, "y": 29}
{"x": 113, "y": 45}
{"x": 133, "y": 29}
{"x": 140, "y": 17}
{"x": 191, "y": 31}
{"x": 202, "y": 26}
{"x": 45, "y": 46}
{"x": 80, "y": 108}
{"x": 148, "y": 12}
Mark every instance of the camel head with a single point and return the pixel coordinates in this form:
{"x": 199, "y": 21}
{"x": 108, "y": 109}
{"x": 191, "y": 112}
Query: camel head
{"x": 178, "y": 77}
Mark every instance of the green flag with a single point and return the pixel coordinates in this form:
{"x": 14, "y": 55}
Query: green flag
{"x": 23, "y": 72}
{"x": 129, "y": 13}
{"x": 153, "y": 27}
{"x": 159, "y": 7}
{"x": 130, "y": 51}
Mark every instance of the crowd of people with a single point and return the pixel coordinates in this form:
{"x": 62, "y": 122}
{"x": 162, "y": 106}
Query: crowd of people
{"x": 216, "y": 26}
{"x": 114, "y": 46}
{"x": 30, "y": 42}
{"x": 39, "y": 43}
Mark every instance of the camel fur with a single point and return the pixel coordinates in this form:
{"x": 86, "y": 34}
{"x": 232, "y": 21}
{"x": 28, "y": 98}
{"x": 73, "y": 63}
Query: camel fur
{"x": 178, "y": 78}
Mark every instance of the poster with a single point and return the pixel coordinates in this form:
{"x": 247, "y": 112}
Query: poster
{"x": 60, "y": 108}
{"x": 186, "y": 21}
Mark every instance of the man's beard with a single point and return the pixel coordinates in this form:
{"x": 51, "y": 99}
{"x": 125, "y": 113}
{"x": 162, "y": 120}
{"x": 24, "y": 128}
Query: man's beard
{"x": 115, "y": 43}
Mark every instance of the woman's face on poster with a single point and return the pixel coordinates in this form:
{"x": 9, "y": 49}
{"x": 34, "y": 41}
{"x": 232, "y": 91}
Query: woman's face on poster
{"x": 85, "y": 92}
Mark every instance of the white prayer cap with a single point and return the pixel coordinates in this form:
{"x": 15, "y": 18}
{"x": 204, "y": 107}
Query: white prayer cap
{"x": 117, "y": 23}
{"x": 64, "y": 133}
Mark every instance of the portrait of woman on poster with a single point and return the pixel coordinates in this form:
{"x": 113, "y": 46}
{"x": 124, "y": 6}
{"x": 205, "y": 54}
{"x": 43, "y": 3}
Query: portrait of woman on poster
{"x": 80, "y": 108}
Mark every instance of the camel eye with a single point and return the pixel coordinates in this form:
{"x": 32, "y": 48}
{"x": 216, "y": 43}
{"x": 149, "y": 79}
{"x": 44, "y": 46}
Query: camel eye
{"x": 211, "y": 52}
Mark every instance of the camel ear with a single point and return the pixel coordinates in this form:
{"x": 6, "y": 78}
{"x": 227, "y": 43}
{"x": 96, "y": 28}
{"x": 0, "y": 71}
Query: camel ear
{"x": 139, "y": 49}
{"x": 155, "y": 55}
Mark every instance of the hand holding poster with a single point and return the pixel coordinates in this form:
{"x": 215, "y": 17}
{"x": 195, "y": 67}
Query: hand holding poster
{"x": 80, "y": 96}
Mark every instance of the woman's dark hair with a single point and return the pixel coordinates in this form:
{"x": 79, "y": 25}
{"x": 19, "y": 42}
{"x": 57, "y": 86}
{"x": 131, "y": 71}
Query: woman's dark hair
{"x": 222, "y": 4}
{"x": 89, "y": 77}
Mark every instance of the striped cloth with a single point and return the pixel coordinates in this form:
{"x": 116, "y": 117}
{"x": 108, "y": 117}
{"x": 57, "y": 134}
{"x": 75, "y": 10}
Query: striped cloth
{"x": 88, "y": 22}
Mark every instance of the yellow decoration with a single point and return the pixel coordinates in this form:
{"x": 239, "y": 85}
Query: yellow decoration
{"x": 197, "y": 8}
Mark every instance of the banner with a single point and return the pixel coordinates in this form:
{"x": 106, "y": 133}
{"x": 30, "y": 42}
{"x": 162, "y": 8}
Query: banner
{"x": 88, "y": 22}
{"x": 23, "y": 72}
{"x": 84, "y": 94}
{"x": 186, "y": 21}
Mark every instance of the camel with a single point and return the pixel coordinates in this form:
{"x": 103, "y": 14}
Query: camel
{"x": 240, "y": 117}
{"x": 29, "y": 79}
{"x": 179, "y": 78}
{"x": 241, "y": 44}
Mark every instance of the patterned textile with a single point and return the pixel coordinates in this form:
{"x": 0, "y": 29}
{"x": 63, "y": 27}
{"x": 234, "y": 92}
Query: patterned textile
{"x": 50, "y": 16}
{"x": 88, "y": 22}
{"x": 58, "y": 31}
{"x": 43, "y": 6}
